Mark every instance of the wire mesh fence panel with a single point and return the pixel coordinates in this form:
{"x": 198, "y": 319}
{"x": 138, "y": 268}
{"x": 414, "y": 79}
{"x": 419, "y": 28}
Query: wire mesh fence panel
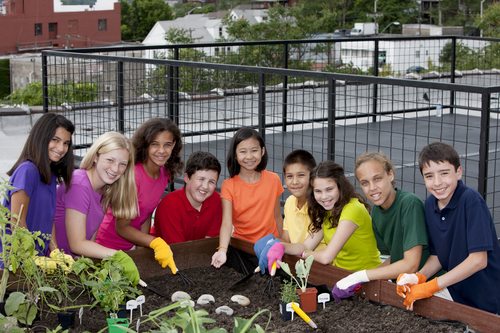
{"x": 331, "y": 114}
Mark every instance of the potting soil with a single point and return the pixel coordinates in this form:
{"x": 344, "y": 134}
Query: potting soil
{"x": 351, "y": 315}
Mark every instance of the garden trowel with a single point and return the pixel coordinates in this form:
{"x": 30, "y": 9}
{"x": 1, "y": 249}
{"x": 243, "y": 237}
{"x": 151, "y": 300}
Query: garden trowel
{"x": 244, "y": 279}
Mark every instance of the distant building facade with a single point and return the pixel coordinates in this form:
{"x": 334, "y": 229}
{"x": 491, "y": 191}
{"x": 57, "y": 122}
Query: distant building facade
{"x": 43, "y": 24}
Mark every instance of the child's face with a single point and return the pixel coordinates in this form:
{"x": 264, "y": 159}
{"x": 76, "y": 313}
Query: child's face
{"x": 441, "y": 180}
{"x": 376, "y": 183}
{"x": 109, "y": 167}
{"x": 200, "y": 186}
{"x": 297, "y": 179}
{"x": 326, "y": 192}
{"x": 249, "y": 154}
{"x": 160, "y": 149}
{"x": 59, "y": 144}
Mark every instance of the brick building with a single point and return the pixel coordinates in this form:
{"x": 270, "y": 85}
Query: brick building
{"x": 31, "y": 25}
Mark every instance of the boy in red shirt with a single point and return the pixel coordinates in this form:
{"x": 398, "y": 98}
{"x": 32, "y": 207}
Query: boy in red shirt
{"x": 194, "y": 211}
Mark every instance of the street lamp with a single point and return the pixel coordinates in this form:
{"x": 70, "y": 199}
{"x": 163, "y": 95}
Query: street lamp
{"x": 482, "y": 2}
{"x": 396, "y": 23}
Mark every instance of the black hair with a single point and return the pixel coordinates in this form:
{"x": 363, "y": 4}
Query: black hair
{"x": 201, "y": 160}
{"x": 242, "y": 134}
{"x": 300, "y": 156}
{"x": 438, "y": 152}
{"x": 36, "y": 149}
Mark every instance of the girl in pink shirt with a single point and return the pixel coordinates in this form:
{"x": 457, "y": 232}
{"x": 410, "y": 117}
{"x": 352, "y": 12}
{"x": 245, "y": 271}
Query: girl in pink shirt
{"x": 157, "y": 146}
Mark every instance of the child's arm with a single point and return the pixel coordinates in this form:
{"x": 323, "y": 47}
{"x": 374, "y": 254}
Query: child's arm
{"x": 326, "y": 256}
{"x": 388, "y": 270}
{"x": 76, "y": 223}
{"x": 20, "y": 199}
{"x": 226, "y": 228}
{"x": 278, "y": 217}
{"x": 285, "y": 237}
{"x": 475, "y": 262}
{"x": 133, "y": 235}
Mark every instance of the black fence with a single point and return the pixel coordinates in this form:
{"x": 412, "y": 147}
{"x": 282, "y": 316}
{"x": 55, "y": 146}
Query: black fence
{"x": 333, "y": 115}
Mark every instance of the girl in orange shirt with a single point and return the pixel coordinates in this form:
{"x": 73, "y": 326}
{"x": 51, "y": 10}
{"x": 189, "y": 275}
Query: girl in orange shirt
{"x": 250, "y": 197}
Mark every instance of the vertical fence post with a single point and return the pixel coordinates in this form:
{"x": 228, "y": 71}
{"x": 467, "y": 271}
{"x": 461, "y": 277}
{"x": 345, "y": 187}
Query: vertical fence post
{"x": 330, "y": 141}
{"x": 262, "y": 106}
{"x": 284, "y": 105}
{"x": 453, "y": 66}
{"x": 45, "y": 83}
{"x": 120, "y": 98}
{"x": 375, "y": 86}
{"x": 482, "y": 181}
{"x": 176, "y": 85}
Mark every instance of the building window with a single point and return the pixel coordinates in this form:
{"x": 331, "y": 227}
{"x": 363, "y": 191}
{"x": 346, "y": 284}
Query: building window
{"x": 417, "y": 54}
{"x": 38, "y": 29}
{"x": 102, "y": 25}
{"x": 53, "y": 30}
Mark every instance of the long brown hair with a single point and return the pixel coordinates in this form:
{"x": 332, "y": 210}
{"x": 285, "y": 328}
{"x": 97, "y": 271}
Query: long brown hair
{"x": 330, "y": 170}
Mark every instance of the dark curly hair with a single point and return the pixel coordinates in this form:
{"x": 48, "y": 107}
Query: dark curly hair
{"x": 145, "y": 135}
{"x": 331, "y": 170}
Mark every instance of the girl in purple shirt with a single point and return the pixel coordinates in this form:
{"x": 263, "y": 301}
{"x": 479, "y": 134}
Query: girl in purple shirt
{"x": 158, "y": 145}
{"x": 105, "y": 180}
{"x": 46, "y": 159}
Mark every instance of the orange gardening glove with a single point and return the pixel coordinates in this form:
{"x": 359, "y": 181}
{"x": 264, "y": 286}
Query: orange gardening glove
{"x": 406, "y": 280}
{"x": 420, "y": 291}
{"x": 163, "y": 254}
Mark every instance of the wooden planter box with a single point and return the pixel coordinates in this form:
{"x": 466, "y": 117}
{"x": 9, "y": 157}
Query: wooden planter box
{"x": 199, "y": 254}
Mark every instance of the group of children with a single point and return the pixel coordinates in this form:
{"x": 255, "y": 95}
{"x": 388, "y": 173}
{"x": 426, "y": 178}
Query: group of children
{"x": 105, "y": 207}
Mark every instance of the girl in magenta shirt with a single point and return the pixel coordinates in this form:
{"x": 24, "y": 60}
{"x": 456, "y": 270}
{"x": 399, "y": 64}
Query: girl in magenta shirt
{"x": 157, "y": 146}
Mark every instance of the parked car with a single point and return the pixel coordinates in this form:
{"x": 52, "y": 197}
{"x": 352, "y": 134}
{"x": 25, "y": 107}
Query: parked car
{"x": 415, "y": 69}
{"x": 341, "y": 33}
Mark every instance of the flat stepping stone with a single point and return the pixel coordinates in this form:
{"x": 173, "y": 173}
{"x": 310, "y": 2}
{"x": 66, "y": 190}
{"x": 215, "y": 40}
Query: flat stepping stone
{"x": 241, "y": 300}
{"x": 224, "y": 310}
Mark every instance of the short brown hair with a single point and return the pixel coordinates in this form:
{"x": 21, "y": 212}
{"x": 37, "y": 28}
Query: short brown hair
{"x": 438, "y": 152}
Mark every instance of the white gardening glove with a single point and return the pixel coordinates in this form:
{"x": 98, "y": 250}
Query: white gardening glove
{"x": 352, "y": 279}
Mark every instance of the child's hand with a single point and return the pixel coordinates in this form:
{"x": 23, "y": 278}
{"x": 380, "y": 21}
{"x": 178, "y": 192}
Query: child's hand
{"x": 420, "y": 291}
{"x": 219, "y": 258}
{"x": 405, "y": 281}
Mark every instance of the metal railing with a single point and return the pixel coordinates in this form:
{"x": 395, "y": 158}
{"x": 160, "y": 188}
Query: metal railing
{"x": 333, "y": 115}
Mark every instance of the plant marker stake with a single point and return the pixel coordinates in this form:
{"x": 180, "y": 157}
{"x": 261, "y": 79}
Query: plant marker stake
{"x": 323, "y": 298}
{"x": 303, "y": 315}
{"x": 80, "y": 314}
{"x": 141, "y": 300}
{"x": 131, "y": 305}
{"x": 138, "y": 324}
{"x": 288, "y": 308}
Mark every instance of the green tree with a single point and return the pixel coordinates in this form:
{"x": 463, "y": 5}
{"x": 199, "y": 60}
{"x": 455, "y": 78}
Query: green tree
{"x": 490, "y": 22}
{"x": 139, "y": 16}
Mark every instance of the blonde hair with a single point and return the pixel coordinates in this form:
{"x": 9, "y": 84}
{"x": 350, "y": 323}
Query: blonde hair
{"x": 378, "y": 157}
{"x": 121, "y": 196}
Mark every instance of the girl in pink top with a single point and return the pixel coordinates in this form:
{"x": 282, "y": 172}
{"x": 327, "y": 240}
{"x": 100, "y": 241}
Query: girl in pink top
{"x": 250, "y": 198}
{"x": 157, "y": 146}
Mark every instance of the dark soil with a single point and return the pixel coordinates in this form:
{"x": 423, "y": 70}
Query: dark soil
{"x": 351, "y": 315}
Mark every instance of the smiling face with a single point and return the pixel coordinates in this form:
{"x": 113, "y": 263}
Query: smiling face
{"x": 297, "y": 180}
{"x": 59, "y": 144}
{"x": 200, "y": 186}
{"x": 249, "y": 154}
{"x": 376, "y": 183}
{"x": 326, "y": 192}
{"x": 109, "y": 167}
{"x": 160, "y": 149}
{"x": 441, "y": 180}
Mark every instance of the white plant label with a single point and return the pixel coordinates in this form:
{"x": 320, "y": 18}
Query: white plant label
{"x": 140, "y": 301}
{"x": 289, "y": 308}
{"x": 323, "y": 298}
{"x": 80, "y": 315}
{"x": 131, "y": 305}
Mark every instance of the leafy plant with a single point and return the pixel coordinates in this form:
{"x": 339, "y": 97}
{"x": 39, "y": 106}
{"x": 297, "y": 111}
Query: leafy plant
{"x": 289, "y": 292}
{"x": 302, "y": 269}
{"x": 107, "y": 284}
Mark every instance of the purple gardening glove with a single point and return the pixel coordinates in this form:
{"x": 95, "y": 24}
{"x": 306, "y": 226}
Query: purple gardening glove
{"x": 340, "y": 294}
{"x": 274, "y": 255}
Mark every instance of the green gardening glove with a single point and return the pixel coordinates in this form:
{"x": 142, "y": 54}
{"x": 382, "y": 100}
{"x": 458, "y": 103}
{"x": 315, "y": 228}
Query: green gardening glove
{"x": 129, "y": 268}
